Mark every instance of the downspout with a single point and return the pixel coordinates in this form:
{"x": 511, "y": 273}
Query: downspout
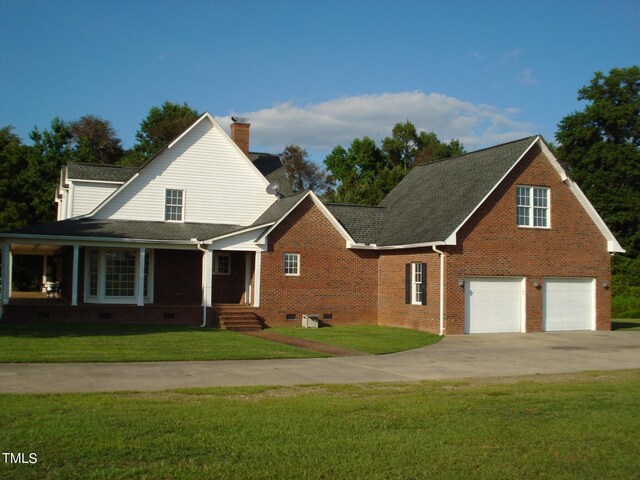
{"x": 204, "y": 295}
{"x": 441, "y": 253}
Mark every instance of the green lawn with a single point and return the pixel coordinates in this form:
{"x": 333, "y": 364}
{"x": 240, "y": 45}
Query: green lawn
{"x": 578, "y": 426}
{"x": 370, "y": 339}
{"x": 625, "y": 324}
{"x": 132, "y": 343}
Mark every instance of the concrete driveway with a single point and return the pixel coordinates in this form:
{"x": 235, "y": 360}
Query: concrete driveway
{"x": 455, "y": 357}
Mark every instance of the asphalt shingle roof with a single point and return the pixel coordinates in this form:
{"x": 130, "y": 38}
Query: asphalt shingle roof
{"x": 126, "y": 229}
{"x": 105, "y": 173}
{"x": 279, "y": 208}
{"x": 434, "y": 199}
{"x": 363, "y": 222}
{"x": 271, "y": 167}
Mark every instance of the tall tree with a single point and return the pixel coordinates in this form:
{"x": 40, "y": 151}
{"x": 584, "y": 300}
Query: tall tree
{"x": 364, "y": 173}
{"x": 13, "y": 162}
{"x": 160, "y": 126}
{"x": 302, "y": 172}
{"x": 601, "y": 147}
{"x": 95, "y": 140}
{"x": 51, "y": 149}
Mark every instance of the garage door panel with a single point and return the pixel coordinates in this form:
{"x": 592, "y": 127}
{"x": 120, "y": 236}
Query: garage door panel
{"x": 493, "y": 305}
{"x": 568, "y": 304}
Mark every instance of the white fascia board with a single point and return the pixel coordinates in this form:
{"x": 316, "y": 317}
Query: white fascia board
{"x": 612, "y": 244}
{"x": 373, "y": 246}
{"x": 102, "y": 241}
{"x": 324, "y": 211}
{"x": 84, "y": 180}
{"x": 454, "y": 233}
{"x": 237, "y": 232}
{"x": 279, "y": 221}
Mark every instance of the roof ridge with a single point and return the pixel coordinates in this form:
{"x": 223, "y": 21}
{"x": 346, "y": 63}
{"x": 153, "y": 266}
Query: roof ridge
{"x": 479, "y": 150}
{"x": 353, "y": 205}
{"x": 89, "y": 164}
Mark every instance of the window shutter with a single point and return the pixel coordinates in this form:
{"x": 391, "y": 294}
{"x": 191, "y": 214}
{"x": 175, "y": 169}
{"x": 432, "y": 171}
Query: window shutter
{"x": 424, "y": 284}
{"x": 407, "y": 283}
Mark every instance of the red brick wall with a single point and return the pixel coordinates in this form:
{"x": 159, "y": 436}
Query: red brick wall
{"x": 333, "y": 279}
{"x": 392, "y": 309}
{"x": 177, "y": 277}
{"x": 230, "y": 288}
{"x": 491, "y": 244}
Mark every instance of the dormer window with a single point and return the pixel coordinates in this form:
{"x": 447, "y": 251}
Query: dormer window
{"x": 174, "y": 206}
{"x": 532, "y": 204}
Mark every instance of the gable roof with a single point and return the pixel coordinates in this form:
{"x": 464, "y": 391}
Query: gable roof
{"x": 99, "y": 172}
{"x": 270, "y": 165}
{"x": 435, "y": 199}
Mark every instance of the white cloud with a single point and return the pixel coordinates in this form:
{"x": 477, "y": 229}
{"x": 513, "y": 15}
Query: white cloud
{"x": 321, "y": 126}
{"x": 527, "y": 77}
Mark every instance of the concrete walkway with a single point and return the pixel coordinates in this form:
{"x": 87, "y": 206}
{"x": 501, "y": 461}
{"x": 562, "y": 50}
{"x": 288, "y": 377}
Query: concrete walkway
{"x": 455, "y": 357}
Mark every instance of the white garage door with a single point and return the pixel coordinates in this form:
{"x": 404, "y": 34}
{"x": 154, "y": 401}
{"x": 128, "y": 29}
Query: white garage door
{"x": 493, "y": 305}
{"x": 568, "y": 304}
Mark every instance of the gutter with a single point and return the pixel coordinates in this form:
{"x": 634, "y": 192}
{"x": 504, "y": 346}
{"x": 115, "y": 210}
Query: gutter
{"x": 441, "y": 253}
{"x": 204, "y": 295}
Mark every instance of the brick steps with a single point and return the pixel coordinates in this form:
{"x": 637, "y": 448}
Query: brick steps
{"x": 239, "y": 320}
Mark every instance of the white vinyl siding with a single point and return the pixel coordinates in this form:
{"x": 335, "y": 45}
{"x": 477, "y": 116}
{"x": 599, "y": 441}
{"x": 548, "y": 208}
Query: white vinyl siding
{"x": 568, "y": 304}
{"x": 494, "y": 305}
{"x": 532, "y": 205}
{"x": 223, "y": 185}
{"x": 87, "y": 195}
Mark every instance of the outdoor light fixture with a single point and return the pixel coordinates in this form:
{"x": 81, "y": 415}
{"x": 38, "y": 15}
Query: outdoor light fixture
{"x": 605, "y": 284}
{"x": 536, "y": 283}
{"x": 461, "y": 282}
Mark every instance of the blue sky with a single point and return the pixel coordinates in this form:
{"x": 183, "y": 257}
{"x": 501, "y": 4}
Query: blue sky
{"x": 317, "y": 74}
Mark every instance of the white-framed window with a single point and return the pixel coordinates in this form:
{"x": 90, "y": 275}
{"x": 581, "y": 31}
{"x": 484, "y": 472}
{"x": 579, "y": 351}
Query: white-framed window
{"x": 417, "y": 283}
{"x": 532, "y": 206}
{"x": 221, "y": 264}
{"x": 174, "y": 205}
{"x": 111, "y": 275}
{"x": 292, "y": 264}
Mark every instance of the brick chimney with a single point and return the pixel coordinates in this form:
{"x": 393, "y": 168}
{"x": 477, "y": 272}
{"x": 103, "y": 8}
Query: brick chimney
{"x": 240, "y": 133}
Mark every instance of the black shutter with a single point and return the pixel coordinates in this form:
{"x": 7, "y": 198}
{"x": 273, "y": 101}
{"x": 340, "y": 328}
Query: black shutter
{"x": 424, "y": 284}
{"x": 407, "y": 283}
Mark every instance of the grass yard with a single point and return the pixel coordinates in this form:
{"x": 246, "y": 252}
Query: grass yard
{"x": 47, "y": 342}
{"x": 574, "y": 426}
{"x": 370, "y": 339}
{"x": 625, "y": 324}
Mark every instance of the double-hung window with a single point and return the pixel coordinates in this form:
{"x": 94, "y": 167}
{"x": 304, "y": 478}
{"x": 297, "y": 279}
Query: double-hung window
{"x": 221, "y": 264}
{"x": 532, "y": 205}
{"x": 111, "y": 275}
{"x": 292, "y": 264}
{"x": 174, "y": 205}
{"x": 416, "y": 283}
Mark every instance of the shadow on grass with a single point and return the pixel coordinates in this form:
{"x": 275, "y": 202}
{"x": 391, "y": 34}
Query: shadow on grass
{"x": 54, "y": 330}
{"x": 623, "y": 324}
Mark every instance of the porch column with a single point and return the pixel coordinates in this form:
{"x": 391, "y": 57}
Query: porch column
{"x": 45, "y": 263}
{"x": 141, "y": 261}
{"x": 6, "y": 272}
{"x": 256, "y": 290}
{"x": 207, "y": 277}
{"x": 74, "y": 278}
{"x": 247, "y": 278}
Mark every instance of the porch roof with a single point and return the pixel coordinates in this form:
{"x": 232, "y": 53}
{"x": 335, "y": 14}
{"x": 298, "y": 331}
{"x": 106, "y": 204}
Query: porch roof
{"x": 128, "y": 230}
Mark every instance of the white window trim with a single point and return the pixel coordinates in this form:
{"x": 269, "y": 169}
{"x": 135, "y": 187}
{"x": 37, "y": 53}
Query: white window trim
{"x": 297, "y": 273}
{"x": 531, "y": 207}
{"x": 184, "y": 204}
{"x": 414, "y": 284}
{"x": 216, "y": 263}
{"x": 101, "y": 297}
